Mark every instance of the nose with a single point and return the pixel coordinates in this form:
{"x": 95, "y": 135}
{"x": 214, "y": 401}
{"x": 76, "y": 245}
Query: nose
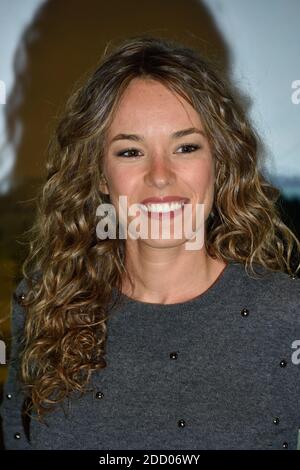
{"x": 160, "y": 173}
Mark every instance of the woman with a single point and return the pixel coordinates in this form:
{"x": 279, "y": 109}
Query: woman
{"x": 138, "y": 342}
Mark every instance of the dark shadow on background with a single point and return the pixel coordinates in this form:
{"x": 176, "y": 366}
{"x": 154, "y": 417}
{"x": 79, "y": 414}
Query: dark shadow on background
{"x": 64, "y": 42}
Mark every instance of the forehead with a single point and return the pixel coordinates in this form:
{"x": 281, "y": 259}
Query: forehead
{"x": 146, "y": 102}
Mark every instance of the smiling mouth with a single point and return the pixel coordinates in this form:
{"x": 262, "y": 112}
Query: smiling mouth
{"x": 163, "y": 208}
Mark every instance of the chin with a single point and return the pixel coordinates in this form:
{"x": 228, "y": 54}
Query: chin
{"x": 163, "y": 243}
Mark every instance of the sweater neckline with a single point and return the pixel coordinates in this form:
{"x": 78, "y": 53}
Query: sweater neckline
{"x": 215, "y": 292}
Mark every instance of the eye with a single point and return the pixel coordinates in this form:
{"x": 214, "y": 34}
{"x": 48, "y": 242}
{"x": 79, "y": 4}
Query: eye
{"x": 189, "y": 148}
{"x": 132, "y": 152}
{"x": 123, "y": 152}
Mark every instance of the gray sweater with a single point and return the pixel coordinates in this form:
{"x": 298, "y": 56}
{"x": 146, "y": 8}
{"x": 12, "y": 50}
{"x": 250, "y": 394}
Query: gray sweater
{"x": 220, "y": 371}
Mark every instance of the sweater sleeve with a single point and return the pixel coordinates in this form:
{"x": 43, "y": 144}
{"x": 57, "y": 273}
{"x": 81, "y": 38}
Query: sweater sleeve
{"x": 13, "y": 422}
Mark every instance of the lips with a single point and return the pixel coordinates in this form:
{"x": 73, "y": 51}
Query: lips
{"x": 162, "y": 200}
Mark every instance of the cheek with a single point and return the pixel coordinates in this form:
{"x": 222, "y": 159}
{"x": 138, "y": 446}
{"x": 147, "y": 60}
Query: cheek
{"x": 201, "y": 178}
{"x": 122, "y": 181}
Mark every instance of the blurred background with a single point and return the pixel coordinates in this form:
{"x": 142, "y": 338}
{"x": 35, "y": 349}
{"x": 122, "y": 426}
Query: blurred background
{"x": 46, "y": 46}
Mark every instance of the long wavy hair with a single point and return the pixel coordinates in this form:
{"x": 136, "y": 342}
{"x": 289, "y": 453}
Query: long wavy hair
{"x": 67, "y": 304}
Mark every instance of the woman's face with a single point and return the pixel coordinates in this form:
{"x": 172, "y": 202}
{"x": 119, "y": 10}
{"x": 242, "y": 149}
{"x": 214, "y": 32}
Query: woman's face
{"x": 158, "y": 164}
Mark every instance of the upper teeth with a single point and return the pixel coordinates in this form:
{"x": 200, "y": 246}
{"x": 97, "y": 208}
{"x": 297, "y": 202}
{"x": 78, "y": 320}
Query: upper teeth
{"x": 166, "y": 207}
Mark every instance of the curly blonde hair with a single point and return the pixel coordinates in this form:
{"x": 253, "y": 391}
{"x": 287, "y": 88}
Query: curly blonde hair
{"x": 67, "y": 306}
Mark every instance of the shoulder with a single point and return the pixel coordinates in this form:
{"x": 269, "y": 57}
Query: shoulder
{"x": 18, "y": 311}
{"x": 275, "y": 292}
{"x": 277, "y": 284}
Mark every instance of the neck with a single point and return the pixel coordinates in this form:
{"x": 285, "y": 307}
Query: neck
{"x": 168, "y": 275}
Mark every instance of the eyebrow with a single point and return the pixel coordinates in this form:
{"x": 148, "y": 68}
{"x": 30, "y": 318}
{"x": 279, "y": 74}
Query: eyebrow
{"x": 174, "y": 135}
